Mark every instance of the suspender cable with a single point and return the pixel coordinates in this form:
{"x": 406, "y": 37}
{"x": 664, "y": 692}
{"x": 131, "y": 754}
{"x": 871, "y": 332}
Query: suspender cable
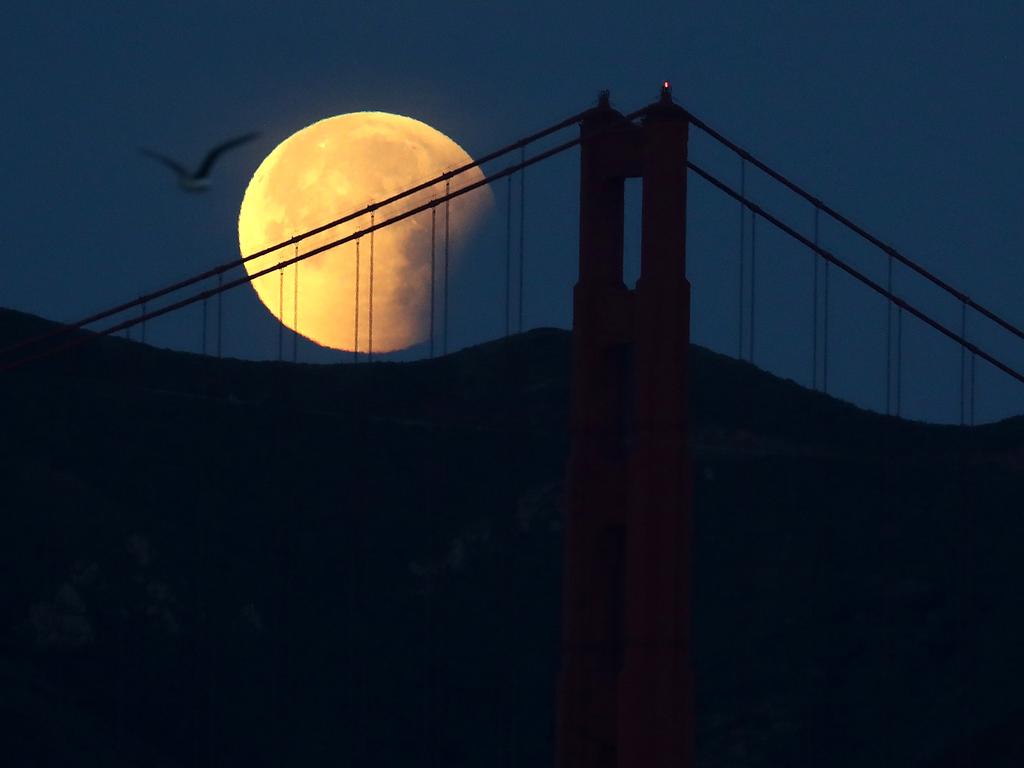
{"x": 143, "y": 322}
{"x": 522, "y": 142}
{"x": 899, "y": 361}
{"x": 973, "y": 361}
{"x": 824, "y": 352}
{"x": 753, "y": 278}
{"x": 295, "y": 310}
{"x": 963, "y": 364}
{"x": 743, "y": 256}
{"x": 447, "y": 237}
{"x": 888, "y": 343}
{"x": 433, "y": 280}
{"x": 205, "y": 302}
{"x": 814, "y": 313}
{"x": 508, "y": 255}
{"x": 355, "y": 343}
{"x": 280, "y": 312}
{"x": 370, "y": 340}
{"x": 220, "y": 312}
{"x": 522, "y": 232}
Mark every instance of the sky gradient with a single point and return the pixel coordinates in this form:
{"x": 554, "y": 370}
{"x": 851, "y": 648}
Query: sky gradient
{"x": 907, "y": 119}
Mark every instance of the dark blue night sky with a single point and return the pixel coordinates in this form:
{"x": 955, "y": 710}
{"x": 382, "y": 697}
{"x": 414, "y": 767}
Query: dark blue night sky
{"x": 906, "y": 117}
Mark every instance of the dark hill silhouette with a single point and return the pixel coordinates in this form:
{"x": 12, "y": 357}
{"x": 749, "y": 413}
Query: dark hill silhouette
{"x": 229, "y": 548}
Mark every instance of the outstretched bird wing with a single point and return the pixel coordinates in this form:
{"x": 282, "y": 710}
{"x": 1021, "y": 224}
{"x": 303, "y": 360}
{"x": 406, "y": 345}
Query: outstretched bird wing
{"x": 174, "y": 166}
{"x": 213, "y": 154}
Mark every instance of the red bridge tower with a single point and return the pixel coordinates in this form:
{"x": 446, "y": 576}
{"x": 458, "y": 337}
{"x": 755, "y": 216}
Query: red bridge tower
{"x": 625, "y": 690}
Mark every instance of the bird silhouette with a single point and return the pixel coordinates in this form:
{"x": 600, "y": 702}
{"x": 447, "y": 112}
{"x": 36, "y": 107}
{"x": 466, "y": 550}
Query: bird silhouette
{"x": 199, "y": 181}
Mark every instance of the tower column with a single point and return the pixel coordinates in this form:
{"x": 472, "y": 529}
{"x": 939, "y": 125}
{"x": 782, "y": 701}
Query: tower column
{"x": 655, "y": 712}
{"x": 625, "y": 689}
{"x": 596, "y": 470}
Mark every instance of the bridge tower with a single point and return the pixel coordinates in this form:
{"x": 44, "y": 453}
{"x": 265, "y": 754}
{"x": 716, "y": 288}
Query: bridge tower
{"x": 625, "y": 689}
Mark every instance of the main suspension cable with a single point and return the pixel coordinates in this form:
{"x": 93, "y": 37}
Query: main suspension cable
{"x": 295, "y": 239}
{"x": 880, "y": 244}
{"x": 832, "y": 259}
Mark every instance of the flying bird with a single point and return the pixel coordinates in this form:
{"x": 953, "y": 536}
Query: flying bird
{"x": 200, "y": 180}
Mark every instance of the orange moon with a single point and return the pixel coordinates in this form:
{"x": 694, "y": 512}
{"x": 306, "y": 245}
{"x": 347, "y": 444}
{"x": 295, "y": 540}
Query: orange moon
{"x": 338, "y": 166}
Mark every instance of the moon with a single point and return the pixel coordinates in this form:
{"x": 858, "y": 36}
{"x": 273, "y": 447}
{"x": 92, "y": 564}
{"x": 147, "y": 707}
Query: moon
{"x": 337, "y": 166}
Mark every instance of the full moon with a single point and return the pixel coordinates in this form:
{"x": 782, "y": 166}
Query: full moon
{"x": 338, "y": 166}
